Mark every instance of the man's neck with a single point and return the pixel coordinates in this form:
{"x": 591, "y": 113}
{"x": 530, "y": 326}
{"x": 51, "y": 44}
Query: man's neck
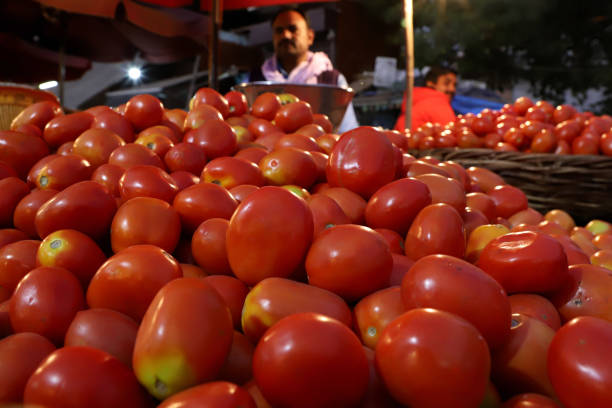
{"x": 290, "y": 62}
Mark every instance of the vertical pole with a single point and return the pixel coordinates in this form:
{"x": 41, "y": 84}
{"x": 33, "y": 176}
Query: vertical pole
{"x": 408, "y": 17}
{"x": 192, "y": 82}
{"x": 213, "y": 52}
{"x": 62, "y": 70}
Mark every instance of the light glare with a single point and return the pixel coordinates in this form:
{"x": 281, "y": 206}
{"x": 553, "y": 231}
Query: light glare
{"x": 47, "y": 85}
{"x": 134, "y": 73}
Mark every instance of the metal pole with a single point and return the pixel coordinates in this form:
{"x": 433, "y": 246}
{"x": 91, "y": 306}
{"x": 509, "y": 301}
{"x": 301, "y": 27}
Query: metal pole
{"x": 192, "y": 82}
{"x": 408, "y": 17}
{"x": 213, "y": 52}
{"x": 62, "y": 70}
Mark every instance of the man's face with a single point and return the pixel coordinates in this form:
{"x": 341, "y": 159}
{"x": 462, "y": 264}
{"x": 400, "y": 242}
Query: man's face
{"x": 292, "y": 37}
{"x": 445, "y": 84}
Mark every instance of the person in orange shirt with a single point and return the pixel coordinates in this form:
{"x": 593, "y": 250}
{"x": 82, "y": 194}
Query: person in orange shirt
{"x": 431, "y": 103}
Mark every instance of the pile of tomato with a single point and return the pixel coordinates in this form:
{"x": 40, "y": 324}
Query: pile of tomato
{"x": 525, "y": 126}
{"x": 247, "y": 256}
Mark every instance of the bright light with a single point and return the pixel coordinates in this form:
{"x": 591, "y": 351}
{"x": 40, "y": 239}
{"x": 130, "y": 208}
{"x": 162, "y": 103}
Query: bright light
{"x": 47, "y": 85}
{"x": 134, "y": 73}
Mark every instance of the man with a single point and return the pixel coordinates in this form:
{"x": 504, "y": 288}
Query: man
{"x": 431, "y": 103}
{"x": 294, "y": 62}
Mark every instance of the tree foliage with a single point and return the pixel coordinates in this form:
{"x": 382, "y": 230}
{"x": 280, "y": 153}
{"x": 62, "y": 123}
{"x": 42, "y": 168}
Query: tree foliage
{"x": 556, "y": 45}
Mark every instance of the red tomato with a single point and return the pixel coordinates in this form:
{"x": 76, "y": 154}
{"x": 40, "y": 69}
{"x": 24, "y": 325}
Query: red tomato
{"x": 544, "y": 142}
{"x": 352, "y": 204}
{"x": 76, "y": 377}
{"x": 289, "y": 165}
{"x": 442, "y": 282}
{"x": 6, "y": 171}
{"x": 37, "y": 114}
{"x": 298, "y": 140}
{"x": 259, "y": 231}
{"x": 484, "y": 178}
{"x": 529, "y": 262}
{"x": 309, "y": 351}
{"x": 115, "y": 122}
{"x": 530, "y": 400}
{"x": 16, "y": 259}
{"x": 5, "y": 321}
{"x": 147, "y": 181}
{"x": 106, "y": 330}
{"x": 242, "y": 191}
{"x": 21, "y": 151}
{"x": 45, "y": 302}
{"x": 482, "y": 202}
{"x": 184, "y": 337}
{"x": 198, "y": 116}
{"x": 145, "y": 269}
{"x": 132, "y": 154}
{"x": 349, "y": 260}
{"x": 157, "y": 141}
{"x": 325, "y": 212}
{"x": 395, "y": 205}
{"x": 508, "y": 200}
{"x": 292, "y": 116}
{"x": 323, "y": 121}
{"x": 393, "y": 239}
{"x": 216, "y": 137}
{"x": 237, "y": 102}
{"x": 66, "y": 128}
{"x": 232, "y": 291}
{"x": 185, "y": 156}
{"x": 421, "y": 367}
{"x": 96, "y": 145}
{"x": 9, "y": 235}
{"x": 218, "y": 394}
{"x": 327, "y": 142}
{"x": 362, "y": 161}
{"x": 238, "y": 367}
{"x": 208, "y": 246}
{"x": 266, "y": 105}
{"x": 144, "y": 111}
{"x": 184, "y": 179}
{"x": 85, "y": 206}
{"x": 109, "y": 175}
{"x": 202, "y": 201}
{"x": 374, "y": 312}
{"x": 210, "y": 97}
{"x": 275, "y": 298}
{"x": 536, "y": 306}
{"x": 526, "y": 216}
{"x": 62, "y": 172}
{"x": 401, "y": 265}
{"x": 13, "y": 190}
{"x": 437, "y": 229}
{"x": 20, "y": 354}
{"x": 579, "y": 366}
{"x": 230, "y": 172}
{"x": 253, "y": 154}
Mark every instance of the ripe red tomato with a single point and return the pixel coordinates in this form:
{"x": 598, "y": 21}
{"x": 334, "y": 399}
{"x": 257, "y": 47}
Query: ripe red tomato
{"x": 210, "y": 97}
{"x": 96, "y": 145}
{"x": 238, "y": 367}
{"x": 75, "y": 377}
{"x": 351, "y": 203}
{"x": 374, "y": 312}
{"x": 308, "y": 351}
{"x": 184, "y": 338}
{"x": 230, "y": 172}
{"x": 422, "y": 368}
{"x": 132, "y": 154}
{"x": 219, "y": 394}
{"x": 9, "y": 235}
{"x": 536, "y": 306}
{"x": 275, "y": 298}
{"x": 238, "y": 104}
{"x": 158, "y": 142}
{"x": 45, "y": 302}
{"x": 232, "y": 291}
{"x": 265, "y": 106}
{"x": 144, "y": 111}
{"x": 145, "y": 269}
{"x": 37, "y": 114}
{"x": 208, "y": 246}
{"x": 66, "y": 128}
{"x": 325, "y": 212}
{"x": 216, "y": 137}
{"x": 198, "y": 116}
{"x": 62, "y": 172}
{"x": 106, "y": 330}
{"x": 20, "y": 354}
{"x": 292, "y": 116}
{"x": 528, "y": 262}
{"x": 259, "y": 231}
{"x": 484, "y": 178}
{"x": 437, "y": 229}
{"x": 21, "y": 151}
{"x": 16, "y": 259}
{"x": 202, "y": 201}
{"x": 147, "y": 181}
{"x": 289, "y": 165}
{"x": 109, "y": 175}
{"x": 508, "y": 200}
{"x": 323, "y": 121}
{"x": 185, "y": 156}
{"x": 13, "y": 190}
{"x": 115, "y": 122}
{"x": 349, "y": 260}
{"x": 300, "y": 141}
{"x": 530, "y": 400}
{"x": 85, "y": 206}
{"x": 544, "y": 142}
{"x": 362, "y": 161}
{"x": 184, "y": 179}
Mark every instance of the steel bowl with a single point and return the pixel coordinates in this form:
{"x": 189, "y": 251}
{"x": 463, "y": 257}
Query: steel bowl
{"x": 328, "y": 99}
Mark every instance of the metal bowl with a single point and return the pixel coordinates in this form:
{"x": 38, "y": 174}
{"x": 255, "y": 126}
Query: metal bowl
{"x": 328, "y": 99}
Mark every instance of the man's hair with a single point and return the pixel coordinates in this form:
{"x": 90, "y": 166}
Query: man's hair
{"x": 436, "y": 72}
{"x": 291, "y": 8}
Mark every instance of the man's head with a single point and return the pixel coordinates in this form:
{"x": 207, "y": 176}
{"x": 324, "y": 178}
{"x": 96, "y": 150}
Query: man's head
{"x": 441, "y": 79}
{"x": 292, "y": 35}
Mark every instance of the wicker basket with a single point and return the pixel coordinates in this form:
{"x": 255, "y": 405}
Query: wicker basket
{"x": 14, "y": 98}
{"x": 578, "y": 184}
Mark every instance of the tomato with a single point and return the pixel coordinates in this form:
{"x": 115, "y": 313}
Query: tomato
{"x": 85, "y": 206}
{"x": 184, "y": 179}
{"x": 37, "y": 114}
{"x": 292, "y": 116}
{"x": 21, "y": 151}
{"x": 266, "y": 105}
{"x": 13, "y": 190}
{"x": 62, "y": 172}
{"x": 482, "y": 202}
{"x": 259, "y": 231}
{"x": 16, "y": 260}
{"x": 145, "y": 269}
{"x": 253, "y": 154}
{"x": 544, "y": 141}
{"x": 526, "y": 216}
{"x": 210, "y": 97}
{"x": 374, "y": 312}
{"x": 349, "y": 260}
{"x": 437, "y": 229}
{"x": 6, "y": 171}
{"x": 144, "y": 111}
{"x": 109, "y": 175}
{"x": 208, "y": 246}
{"x": 352, "y": 204}
{"x": 75, "y": 377}
{"x": 526, "y": 261}
{"x": 96, "y": 145}
{"x": 289, "y": 165}
{"x": 323, "y": 121}
{"x": 536, "y": 306}
{"x": 230, "y": 172}
{"x": 132, "y": 154}
{"x": 238, "y": 367}
{"x": 530, "y": 400}
{"x": 45, "y": 302}
{"x": 232, "y": 291}
{"x": 221, "y": 394}
{"x": 520, "y": 365}
{"x": 308, "y": 351}
{"x": 362, "y": 161}
{"x": 147, "y": 181}
{"x": 242, "y": 191}
{"x": 237, "y": 102}
{"x": 298, "y": 140}
{"x": 480, "y": 237}
{"x": 393, "y": 239}
{"x": 327, "y": 142}
{"x": 202, "y": 201}
{"x": 198, "y": 116}
{"x": 115, "y": 122}
{"x": 192, "y": 271}
{"x": 274, "y": 298}
{"x": 185, "y": 156}
{"x": 66, "y": 128}
{"x": 484, "y": 178}
{"x": 216, "y": 137}
{"x": 422, "y": 368}
{"x": 395, "y": 205}
{"x": 325, "y": 212}
{"x": 106, "y": 330}
{"x": 579, "y": 366}
{"x": 5, "y": 321}
{"x": 9, "y": 235}
{"x": 184, "y": 338}
{"x": 20, "y": 354}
